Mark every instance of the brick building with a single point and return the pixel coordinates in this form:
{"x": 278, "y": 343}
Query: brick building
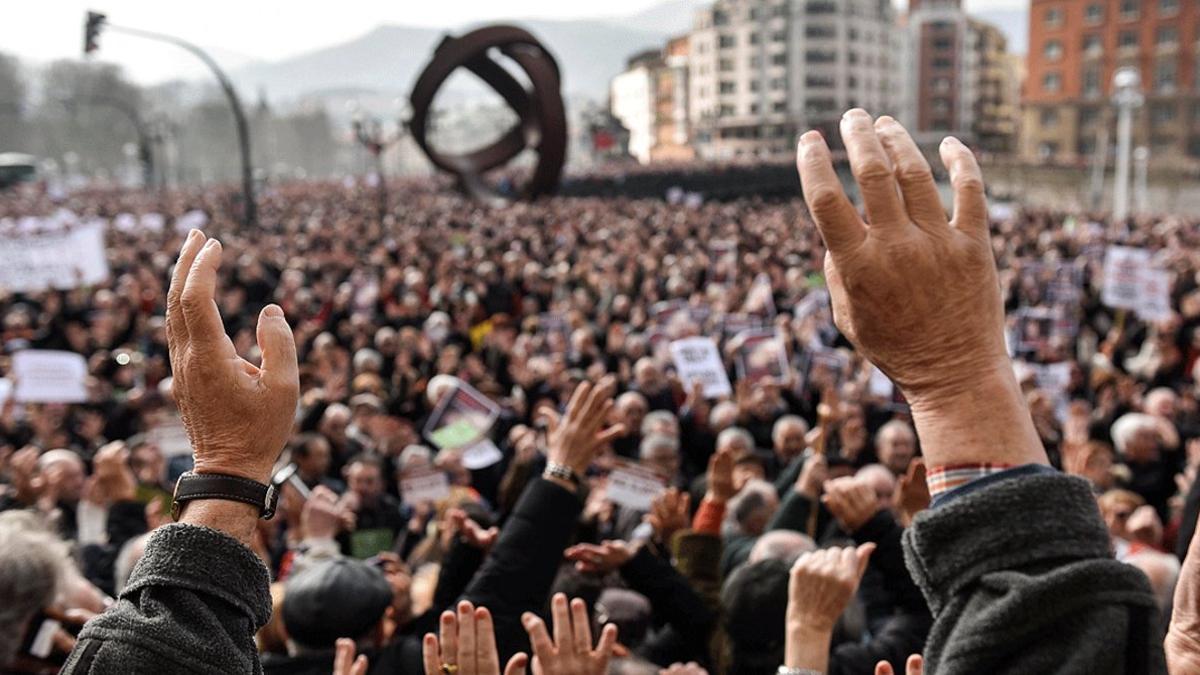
{"x": 1075, "y": 47}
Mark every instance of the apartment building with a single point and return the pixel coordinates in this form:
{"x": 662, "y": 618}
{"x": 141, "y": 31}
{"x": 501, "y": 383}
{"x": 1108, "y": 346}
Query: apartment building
{"x": 1076, "y": 46}
{"x": 762, "y": 71}
{"x": 650, "y": 98}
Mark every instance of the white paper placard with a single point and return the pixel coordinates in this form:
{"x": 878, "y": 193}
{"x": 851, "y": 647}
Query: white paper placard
{"x": 481, "y": 455}
{"x": 634, "y": 487}
{"x": 421, "y": 485}
{"x": 698, "y": 359}
{"x": 63, "y": 260}
{"x": 1154, "y": 302}
{"x": 45, "y": 376}
{"x": 1123, "y": 267}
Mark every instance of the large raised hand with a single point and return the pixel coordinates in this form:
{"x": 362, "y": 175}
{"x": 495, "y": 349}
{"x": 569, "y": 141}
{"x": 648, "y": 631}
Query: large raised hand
{"x": 467, "y": 645}
{"x": 574, "y": 440}
{"x": 570, "y": 652}
{"x": 238, "y": 415}
{"x": 918, "y": 293}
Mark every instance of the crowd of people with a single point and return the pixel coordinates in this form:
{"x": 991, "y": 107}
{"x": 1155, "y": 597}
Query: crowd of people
{"x": 780, "y": 507}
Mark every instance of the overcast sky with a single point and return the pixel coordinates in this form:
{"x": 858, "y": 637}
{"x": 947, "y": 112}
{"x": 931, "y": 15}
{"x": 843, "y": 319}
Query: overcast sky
{"x": 269, "y": 29}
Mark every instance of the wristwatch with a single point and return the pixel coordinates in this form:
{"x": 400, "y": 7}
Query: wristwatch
{"x": 563, "y": 472}
{"x": 229, "y": 488}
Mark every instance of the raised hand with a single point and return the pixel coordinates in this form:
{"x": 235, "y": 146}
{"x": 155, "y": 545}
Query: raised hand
{"x": 238, "y": 416}
{"x": 912, "y": 492}
{"x": 918, "y": 294}
{"x": 689, "y": 668}
{"x": 114, "y": 479}
{"x": 467, "y": 645}
{"x": 669, "y": 514}
{"x": 604, "y": 558}
{"x": 914, "y": 666}
{"x": 852, "y": 502}
{"x": 575, "y": 439}
{"x": 344, "y": 662}
{"x": 570, "y": 652}
{"x": 321, "y": 515}
{"x": 471, "y": 532}
{"x": 821, "y": 585}
{"x": 720, "y": 477}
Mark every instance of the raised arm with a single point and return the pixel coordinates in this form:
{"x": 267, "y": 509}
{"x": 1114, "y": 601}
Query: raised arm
{"x": 199, "y": 593}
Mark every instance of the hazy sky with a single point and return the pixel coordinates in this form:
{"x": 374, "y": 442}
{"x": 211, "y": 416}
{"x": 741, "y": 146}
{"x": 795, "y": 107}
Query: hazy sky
{"x": 269, "y": 29}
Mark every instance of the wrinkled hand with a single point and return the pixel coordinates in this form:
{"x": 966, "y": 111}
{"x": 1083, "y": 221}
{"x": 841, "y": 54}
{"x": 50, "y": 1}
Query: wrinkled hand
{"x": 852, "y": 502}
{"x": 601, "y": 559}
{"x": 669, "y": 514}
{"x": 822, "y": 584}
{"x": 570, "y": 652}
{"x": 344, "y": 662}
{"x": 238, "y": 416}
{"x": 468, "y": 643}
{"x": 575, "y": 439}
{"x": 689, "y": 668}
{"x": 812, "y": 477}
{"x": 470, "y": 531}
{"x": 916, "y": 294}
{"x": 720, "y": 477}
{"x": 321, "y": 516}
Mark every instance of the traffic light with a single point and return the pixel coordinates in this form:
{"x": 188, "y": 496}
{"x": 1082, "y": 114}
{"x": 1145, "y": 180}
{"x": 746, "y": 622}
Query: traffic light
{"x": 91, "y": 32}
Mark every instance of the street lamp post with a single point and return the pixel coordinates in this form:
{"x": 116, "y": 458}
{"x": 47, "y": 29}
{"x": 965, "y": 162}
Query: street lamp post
{"x": 371, "y": 134}
{"x": 1127, "y": 87}
{"x": 92, "y": 26}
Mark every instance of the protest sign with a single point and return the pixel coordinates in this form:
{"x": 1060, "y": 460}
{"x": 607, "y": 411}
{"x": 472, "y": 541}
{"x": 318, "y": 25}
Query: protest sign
{"x": 462, "y": 417}
{"x": 171, "y": 438}
{"x": 192, "y": 220}
{"x": 62, "y": 260}
{"x": 481, "y": 455}
{"x": 634, "y": 487}
{"x": 722, "y": 255}
{"x": 423, "y": 485}
{"x": 761, "y": 299}
{"x": 761, "y": 354}
{"x": 698, "y": 360}
{"x": 1123, "y": 268}
{"x": 1155, "y": 298}
{"x": 45, "y": 376}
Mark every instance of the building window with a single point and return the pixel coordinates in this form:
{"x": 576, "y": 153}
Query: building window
{"x": 1165, "y": 76}
{"x": 1048, "y": 118}
{"x": 725, "y": 65}
{"x": 943, "y": 62}
{"x": 753, "y": 108}
{"x": 726, "y": 41}
{"x": 1053, "y": 17}
{"x": 1094, "y": 13}
{"x": 779, "y": 36}
{"x": 1130, "y": 10}
{"x": 1091, "y": 81}
{"x": 754, "y": 38}
{"x": 941, "y": 84}
{"x": 1163, "y": 113}
{"x": 725, "y": 111}
{"x": 821, "y": 8}
{"x": 820, "y": 56}
{"x": 1088, "y": 116}
{"x": 820, "y": 31}
{"x": 754, "y": 86}
{"x": 1127, "y": 39}
{"x": 778, "y": 84}
{"x": 1166, "y": 36}
{"x": 1092, "y": 43}
{"x": 1052, "y": 83}
{"x": 779, "y": 59}
{"x": 941, "y": 107}
{"x": 1053, "y": 50}
{"x": 1047, "y": 150}
{"x": 1168, "y": 7}
{"x": 779, "y": 106}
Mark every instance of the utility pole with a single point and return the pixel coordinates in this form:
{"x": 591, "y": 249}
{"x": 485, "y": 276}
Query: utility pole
{"x": 1127, "y": 85}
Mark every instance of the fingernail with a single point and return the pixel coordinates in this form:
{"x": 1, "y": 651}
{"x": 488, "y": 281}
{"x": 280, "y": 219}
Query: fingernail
{"x": 811, "y": 137}
{"x": 212, "y": 243}
{"x": 192, "y": 234}
{"x": 273, "y": 311}
{"x": 950, "y": 140}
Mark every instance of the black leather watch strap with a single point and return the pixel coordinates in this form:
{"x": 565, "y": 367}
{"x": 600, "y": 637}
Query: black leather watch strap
{"x": 192, "y": 486}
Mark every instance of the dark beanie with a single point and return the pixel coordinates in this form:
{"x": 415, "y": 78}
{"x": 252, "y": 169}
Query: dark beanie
{"x": 755, "y": 600}
{"x": 334, "y": 599}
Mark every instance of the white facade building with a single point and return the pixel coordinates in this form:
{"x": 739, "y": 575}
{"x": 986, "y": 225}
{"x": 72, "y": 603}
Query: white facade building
{"x": 632, "y": 101}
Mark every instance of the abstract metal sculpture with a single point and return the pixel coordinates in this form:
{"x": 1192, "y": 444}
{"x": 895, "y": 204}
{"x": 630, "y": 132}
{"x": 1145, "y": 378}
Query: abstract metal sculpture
{"x": 541, "y": 126}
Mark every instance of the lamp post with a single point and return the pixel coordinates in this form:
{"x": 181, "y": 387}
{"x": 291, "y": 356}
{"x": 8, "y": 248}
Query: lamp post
{"x": 91, "y": 33}
{"x": 1127, "y": 88}
{"x": 370, "y": 133}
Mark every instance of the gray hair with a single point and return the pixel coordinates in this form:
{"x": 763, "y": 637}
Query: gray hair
{"x": 368, "y": 360}
{"x": 657, "y": 418}
{"x": 755, "y": 496}
{"x": 735, "y": 435}
{"x": 894, "y": 426}
{"x": 33, "y": 560}
{"x": 656, "y": 441}
{"x": 1128, "y": 425}
{"x": 785, "y": 545}
{"x": 786, "y": 421}
{"x": 720, "y": 411}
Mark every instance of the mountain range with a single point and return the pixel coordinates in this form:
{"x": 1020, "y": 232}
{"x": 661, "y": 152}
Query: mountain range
{"x": 590, "y": 52}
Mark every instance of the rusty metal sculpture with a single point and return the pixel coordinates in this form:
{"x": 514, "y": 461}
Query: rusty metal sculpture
{"x": 541, "y": 125}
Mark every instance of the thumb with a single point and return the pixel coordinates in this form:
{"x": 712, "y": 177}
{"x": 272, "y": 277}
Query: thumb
{"x": 915, "y": 665}
{"x": 884, "y": 668}
{"x": 278, "y": 349}
{"x": 864, "y": 555}
{"x": 516, "y": 665}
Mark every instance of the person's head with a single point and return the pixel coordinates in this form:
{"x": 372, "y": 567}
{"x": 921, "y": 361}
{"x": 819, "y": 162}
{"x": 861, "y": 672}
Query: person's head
{"x": 65, "y": 469}
{"x": 755, "y": 598}
{"x": 631, "y": 408}
{"x": 1116, "y": 506}
{"x": 722, "y": 416}
{"x": 660, "y": 422}
{"x": 312, "y": 456}
{"x": 1161, "y": 402}
{"x": 334, "y": 599}
{"x": 647, "y": 376}
{"x": 147, "y": 462}
{"x": 399, "y": 577}
{"x": 787, "y": 437}
{"x": 785, "y": 545}
{"x": 127, "y": 559}
{"x": 439, "y": 386}
{"x": 334, "y": 421}
{"x": 32, "y": 559}
{"x": 896, "y": 445}
{"x": 660, "y": 453}
{"x": 747, "y": 467}
{"x": 364, "y": 477}
{"x": 1136, "y": 436}
{"x": 882, "y": 481}
{"x": 736, "y": 440}
{"x": 752, "y": 508}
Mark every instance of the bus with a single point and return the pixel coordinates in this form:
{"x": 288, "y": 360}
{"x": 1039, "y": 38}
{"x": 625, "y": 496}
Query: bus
{"x": 16, "y": 168}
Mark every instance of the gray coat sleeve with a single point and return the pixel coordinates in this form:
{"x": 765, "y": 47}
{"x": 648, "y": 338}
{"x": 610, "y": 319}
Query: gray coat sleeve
{"x": 1020, "y": 579}
{"x": 192, "y": 605}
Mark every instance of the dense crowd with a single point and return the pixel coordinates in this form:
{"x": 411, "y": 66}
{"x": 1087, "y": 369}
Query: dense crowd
{"x": 523, "y": 303}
